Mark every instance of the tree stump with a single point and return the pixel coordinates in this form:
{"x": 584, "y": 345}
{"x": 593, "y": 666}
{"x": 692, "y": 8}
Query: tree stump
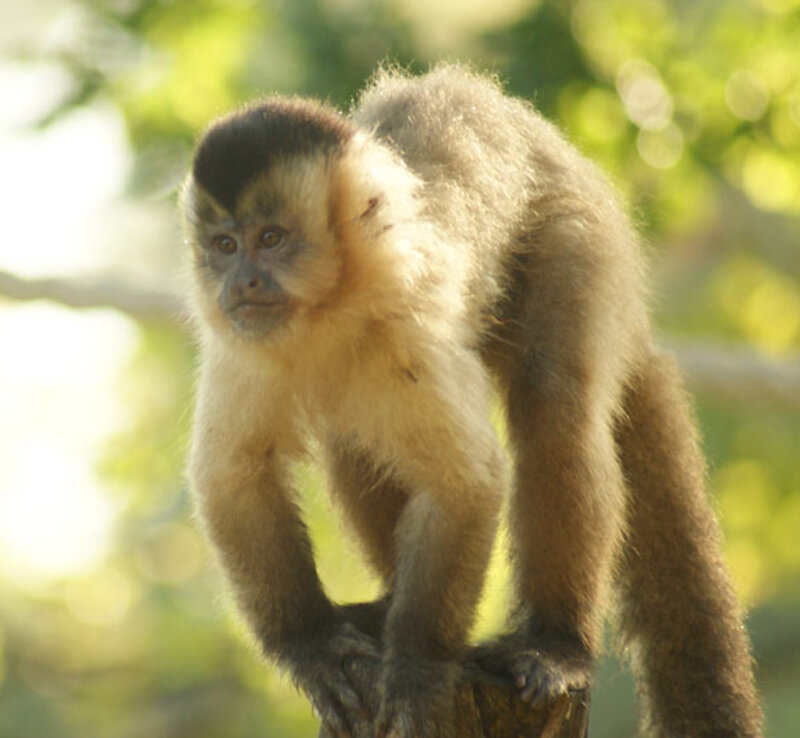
{"x": 487, "y": 706}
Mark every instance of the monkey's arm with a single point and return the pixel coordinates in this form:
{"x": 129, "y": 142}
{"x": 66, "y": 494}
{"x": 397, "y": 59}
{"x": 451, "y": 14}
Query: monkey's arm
{"x": 239, "y": 479}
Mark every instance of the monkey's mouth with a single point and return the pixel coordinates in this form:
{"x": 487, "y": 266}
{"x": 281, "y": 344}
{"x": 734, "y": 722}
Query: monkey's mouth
{"x": 256, "y": 317}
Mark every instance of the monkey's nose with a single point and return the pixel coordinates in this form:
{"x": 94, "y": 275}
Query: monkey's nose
{"x": 253, "y": 285}
{"x": 250, "y": 285}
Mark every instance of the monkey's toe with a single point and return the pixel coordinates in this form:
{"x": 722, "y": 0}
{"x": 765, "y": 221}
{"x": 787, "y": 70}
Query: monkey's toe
{"x": 542, "y": 672}
{"x": 321, "y": 668}
{"x": 542, "y": 678}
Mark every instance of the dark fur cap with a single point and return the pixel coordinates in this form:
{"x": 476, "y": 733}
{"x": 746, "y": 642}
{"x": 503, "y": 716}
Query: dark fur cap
{"x": 240, "y": 146}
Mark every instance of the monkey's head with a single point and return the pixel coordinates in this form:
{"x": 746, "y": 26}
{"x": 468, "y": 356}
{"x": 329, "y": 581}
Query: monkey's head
{"x": 281, "y": 199}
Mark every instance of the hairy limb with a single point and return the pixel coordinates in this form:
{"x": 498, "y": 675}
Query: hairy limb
{"x": 417, "y": 677}
{"x": 243, "y": 499}
{"x": 373, "y": 500}
{"x": 566, "y": 520}
{"x": 678, "y": 609}
{"x": 562, "y": 358}
{"x": 447, "y": 455}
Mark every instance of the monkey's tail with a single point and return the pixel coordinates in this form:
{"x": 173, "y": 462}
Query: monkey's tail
{"x": 679, "y": 614}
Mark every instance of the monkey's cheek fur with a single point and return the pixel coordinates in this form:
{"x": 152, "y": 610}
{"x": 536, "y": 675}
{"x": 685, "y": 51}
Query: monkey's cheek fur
{"x": 257, "y": 320}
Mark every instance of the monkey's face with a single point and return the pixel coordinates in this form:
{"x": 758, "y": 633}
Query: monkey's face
{"x": 287, "y": 211}
{"x": 260, "y": 210}
{"x": 270, "y": 263}
{"x": 243, "y": 257}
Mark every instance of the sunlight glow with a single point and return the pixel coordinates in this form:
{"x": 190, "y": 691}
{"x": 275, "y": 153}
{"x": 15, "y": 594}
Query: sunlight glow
{"x": 59, "y": 399}
{"x": 60, "y": 403}
{"x": 444, "y": 23}
{"x": 104, "y": 598}
{"x": 53, "y": 518}
{"x": 55, "y": 186}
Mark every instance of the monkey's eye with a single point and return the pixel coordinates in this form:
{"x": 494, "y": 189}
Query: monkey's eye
{"x": 224, "y": 244}
{"x": 270, "y": 238}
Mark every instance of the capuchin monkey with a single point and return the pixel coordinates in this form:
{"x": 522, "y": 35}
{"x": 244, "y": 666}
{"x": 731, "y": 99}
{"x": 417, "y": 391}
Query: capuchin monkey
{"x": 365, "y": 281}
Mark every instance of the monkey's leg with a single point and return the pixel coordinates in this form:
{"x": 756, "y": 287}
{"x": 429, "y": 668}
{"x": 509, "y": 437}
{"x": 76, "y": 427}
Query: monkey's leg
{"x": 566, "y": 519}
{"x": 373, "y": 501}
{"x": 679, "y": 611}
{"x": 560, "y": 358}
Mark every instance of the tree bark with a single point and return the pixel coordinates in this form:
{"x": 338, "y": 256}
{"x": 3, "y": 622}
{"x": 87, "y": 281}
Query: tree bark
{"x": 487, "y": 706}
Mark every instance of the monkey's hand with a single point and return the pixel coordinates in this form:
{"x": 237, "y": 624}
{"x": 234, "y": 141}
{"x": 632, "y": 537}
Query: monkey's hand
{"x": 542, "y": 669}
{"x": 417, "y": 699}
{"x": 318, "y": 666}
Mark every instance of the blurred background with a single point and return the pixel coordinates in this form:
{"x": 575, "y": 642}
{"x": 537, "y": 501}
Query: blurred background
{"x": 112, "y": 621}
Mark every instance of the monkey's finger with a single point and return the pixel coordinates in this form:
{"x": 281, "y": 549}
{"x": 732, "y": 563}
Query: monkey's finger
{"x": 356, "y": 643}
{"x": 384, "y": 722}
{"x": 539, "y": 688}
{"x": 357, "y": 651}
{"x": 334, "y": 724}
{"x": 331, "y": 712}
{"x": 331, "y": 731}
{"x": 534, "y": 694}
{"x": 335, "y": 730}
{"x": 332, "y": 717}
{"x": 347, "y": 696}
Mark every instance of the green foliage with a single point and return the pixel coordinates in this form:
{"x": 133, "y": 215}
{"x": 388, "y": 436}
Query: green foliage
{"x": 694, "y": 108}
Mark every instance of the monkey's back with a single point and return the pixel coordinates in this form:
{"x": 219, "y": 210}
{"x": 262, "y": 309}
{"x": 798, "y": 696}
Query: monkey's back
{"x": 495, "y": 173}
{"x": 445, "y": 126}
{"x": 469, "y": 145}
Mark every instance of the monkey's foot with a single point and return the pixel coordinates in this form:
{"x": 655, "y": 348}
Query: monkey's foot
{"x": 417, "y": 700}
{"x": 541, "y": 677}
{"x": 319, "y": 667}
{"x": 542, "y": 671}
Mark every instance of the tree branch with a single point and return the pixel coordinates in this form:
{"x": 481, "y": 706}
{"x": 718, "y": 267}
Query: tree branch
{"x": 731, "y": 373}
{"x": 138, "y": 303}
{"x": 719, "y": 372}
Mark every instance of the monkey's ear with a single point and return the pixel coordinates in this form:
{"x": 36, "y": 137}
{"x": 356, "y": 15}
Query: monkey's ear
{"x": 373, "y": 188}
{"x": 372, "y": 206}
